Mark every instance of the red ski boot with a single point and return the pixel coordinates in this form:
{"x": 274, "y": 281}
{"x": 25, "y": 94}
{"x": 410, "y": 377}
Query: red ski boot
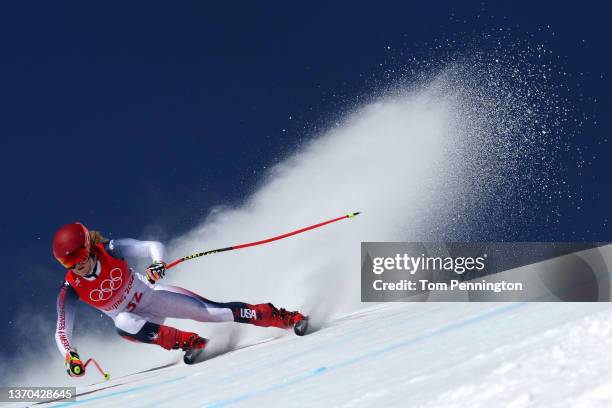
{"x": 194, "y": 350}
{"x": 266, "y": 315}
{"x": 194, "y": 346}
{"x": 191, "y": 341}
{"x": 172, "y": 339}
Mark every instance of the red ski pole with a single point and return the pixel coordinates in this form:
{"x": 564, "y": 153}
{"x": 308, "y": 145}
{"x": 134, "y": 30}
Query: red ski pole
{"x": 263, "y": 241}
{"x": 105, "y": 375}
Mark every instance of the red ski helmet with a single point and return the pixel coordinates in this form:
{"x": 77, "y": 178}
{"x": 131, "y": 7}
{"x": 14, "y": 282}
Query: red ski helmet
{"x": 71, "y": 244}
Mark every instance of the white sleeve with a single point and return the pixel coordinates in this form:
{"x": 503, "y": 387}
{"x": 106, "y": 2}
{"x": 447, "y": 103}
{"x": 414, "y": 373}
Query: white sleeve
{"x": 132, "y": 248}
{"x": 66, "y": 306}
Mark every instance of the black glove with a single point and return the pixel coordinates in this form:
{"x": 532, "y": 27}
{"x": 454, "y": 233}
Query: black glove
{"x": 74, "y": 365}
{"x": 156, "y": 271}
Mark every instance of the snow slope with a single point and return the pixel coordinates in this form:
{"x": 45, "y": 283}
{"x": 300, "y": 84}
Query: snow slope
{"x": 400, "y": 354}
{"x": 406, "y": 354}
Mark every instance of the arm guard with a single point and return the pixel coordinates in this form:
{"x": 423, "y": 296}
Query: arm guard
{"x": 66, "y": 306}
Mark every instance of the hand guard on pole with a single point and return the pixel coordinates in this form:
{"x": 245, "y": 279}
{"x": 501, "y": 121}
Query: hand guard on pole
{"x": 156, "y": 271}
{"x": 74, "y": 365}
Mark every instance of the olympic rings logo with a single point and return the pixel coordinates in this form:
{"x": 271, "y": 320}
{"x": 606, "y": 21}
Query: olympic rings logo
{"x": 107, "y": 286}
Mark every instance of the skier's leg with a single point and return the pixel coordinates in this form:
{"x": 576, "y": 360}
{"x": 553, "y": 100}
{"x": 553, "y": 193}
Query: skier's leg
{"x": 173, "y": 301}
{"x": 137, "y": 328}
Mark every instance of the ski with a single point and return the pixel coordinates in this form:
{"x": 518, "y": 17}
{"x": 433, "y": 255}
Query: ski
{"x": 194, "y": 356}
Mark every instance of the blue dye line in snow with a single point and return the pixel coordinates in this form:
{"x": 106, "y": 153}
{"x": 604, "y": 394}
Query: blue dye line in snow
{"x": 245, "y": 372}
{"x": 185, "y": 393}
{"x": 305, "y": 376}
{"x": 311, "y": 373}
{"x": 117, "y": 393}
{"x": 321, "y": 370}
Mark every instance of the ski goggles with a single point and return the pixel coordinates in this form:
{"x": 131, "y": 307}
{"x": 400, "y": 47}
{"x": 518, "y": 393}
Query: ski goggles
{"x": 75, "y": 258}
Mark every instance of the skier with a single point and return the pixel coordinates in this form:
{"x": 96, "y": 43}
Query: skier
{"x": 99, "y": 276}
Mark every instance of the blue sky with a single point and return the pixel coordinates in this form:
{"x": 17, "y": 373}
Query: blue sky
{"x": 136, "y": 118}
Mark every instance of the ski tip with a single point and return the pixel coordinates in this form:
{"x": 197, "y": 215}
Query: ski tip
{"x": 194, "y": 356}
{"x": 301, "y": 327}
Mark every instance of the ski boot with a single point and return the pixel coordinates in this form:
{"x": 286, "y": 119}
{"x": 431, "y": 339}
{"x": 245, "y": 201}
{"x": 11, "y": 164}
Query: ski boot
{"x": 266, "y": 314}
{"x": 193, "y": 346}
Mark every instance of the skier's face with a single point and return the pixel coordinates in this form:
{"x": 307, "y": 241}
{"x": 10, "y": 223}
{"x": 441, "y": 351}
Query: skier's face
{"x": 84, "y": 268}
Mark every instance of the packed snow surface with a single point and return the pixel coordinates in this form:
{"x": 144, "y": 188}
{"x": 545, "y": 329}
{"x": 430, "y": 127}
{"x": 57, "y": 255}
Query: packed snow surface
{"x": 400, "y": 354}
